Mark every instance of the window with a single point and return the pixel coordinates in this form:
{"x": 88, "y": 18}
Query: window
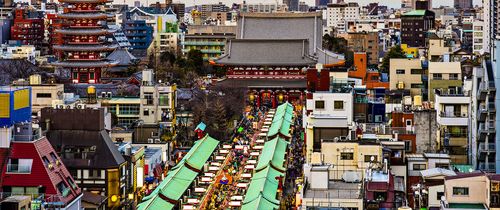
{"x": 416, "y": 85}
{"x": 129, "y": 109}
{"x": 346, "y": 156}
{"x": 63, "y": 188}
{"x": 146, "y": 112}
{"x": 149, "y": 98}
{"x": 443, "y": 165}
{"x": 408, "y": 122}
{"x": 437, "y": 76}
{"x": 319, "y": 104}
{"x": 378, "y": 118}
{"x": 368, "y": 158}
{"x": 338, "y": 105}
{"x": 45, "y": 161}
{"x": 44, "y": 95}
{"x": 71, "y": 182}
{"x": 92, "y": 76}
{"x": 75, "y": 75}
{"x": 453, "y": 76}
{"x": 419, "y": 167}
{"x": 164, "y": 99}
{"x": 19, "y": 165}
{"x": 416, "y": 71}
{"x": 408, "y": 147}
{"x": 439, "y": 195}
{"x": 53, "y": 156}
{"x": 461, "y": 191}
{"x": 400, "y": 71}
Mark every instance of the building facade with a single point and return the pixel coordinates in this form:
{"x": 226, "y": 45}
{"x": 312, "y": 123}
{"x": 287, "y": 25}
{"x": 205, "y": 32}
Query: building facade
{"x": 414, "y": 27}
{"x": 83, "y": 48}
{"x": 28, "y": 27}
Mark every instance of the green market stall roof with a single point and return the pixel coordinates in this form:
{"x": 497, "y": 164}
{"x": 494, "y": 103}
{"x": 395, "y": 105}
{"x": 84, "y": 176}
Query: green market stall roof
{"x": 180, "y": 177}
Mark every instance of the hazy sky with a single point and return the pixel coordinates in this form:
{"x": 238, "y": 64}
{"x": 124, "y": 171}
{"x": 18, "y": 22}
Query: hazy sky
{"x": 390, "y": 3}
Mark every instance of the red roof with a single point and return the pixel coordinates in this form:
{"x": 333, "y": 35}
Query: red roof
{"x": 40, "y": 173}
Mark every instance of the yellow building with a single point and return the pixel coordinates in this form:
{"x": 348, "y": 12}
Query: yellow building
{"x": 346, "y": 156}
{"x": 411, "y": 52}
{"x": 406, "y": 74}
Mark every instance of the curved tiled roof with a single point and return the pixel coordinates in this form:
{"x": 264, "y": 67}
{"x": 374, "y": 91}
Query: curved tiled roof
{"x": 84, "y": 31}
{"x": 83, "y": 15}
{"x": 85, "y": 47}
{"x": 82, "y": 64}
{"x": 85, "y": 1}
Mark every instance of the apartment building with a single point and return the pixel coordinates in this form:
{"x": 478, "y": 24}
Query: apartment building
{"x": 445, "y": 77}
{"x": 364, "y": 42}
{"x": 453, "y": 120}
{"x": 478, "y": 37}
{"x": 472, "y": 191}
{"x": 406, "y": 74}
{"x": 210, "y": 40}
{"x": 414, "y": 27}
{"x": 338, "y": 14}
{"x": 437, "y": 48}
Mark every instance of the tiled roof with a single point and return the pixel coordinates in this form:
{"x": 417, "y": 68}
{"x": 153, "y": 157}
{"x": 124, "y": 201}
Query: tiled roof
{"x": 267, "y": 52}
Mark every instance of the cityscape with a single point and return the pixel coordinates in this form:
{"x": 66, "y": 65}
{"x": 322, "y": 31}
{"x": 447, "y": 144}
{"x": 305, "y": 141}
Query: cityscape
{"x": 249, "y": 104}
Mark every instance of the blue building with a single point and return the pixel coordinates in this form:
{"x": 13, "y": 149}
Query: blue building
{"x": 138, "y": 33}
{"x": 15, "y": 105}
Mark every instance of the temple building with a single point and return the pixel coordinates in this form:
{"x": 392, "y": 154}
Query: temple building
{"x": 271, "y": 54}
{"x": 83, "y": 47}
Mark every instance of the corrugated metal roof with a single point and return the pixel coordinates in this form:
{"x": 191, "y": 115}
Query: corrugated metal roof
{"x": 273, "y": 153}
{"x": 437, "y": 172}
{"x": 282, "y": 120}
{"x": 263, "y": 186}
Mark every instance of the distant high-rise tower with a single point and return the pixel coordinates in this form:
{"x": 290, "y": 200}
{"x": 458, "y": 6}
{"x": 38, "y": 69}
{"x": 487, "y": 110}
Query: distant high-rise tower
{"x": 293, "y": 5}
{"x": 462, "y": 4}
{"x": 323, "y": 3}
{"x": 423, "y": 5}
{"x": 6, "y": 3}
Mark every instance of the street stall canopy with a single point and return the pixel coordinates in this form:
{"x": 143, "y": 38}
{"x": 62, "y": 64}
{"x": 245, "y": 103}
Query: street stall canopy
{"x": 180, "y": 177}
{"x": 282, "y": 120}
{"x": 263, "y": 186}
{"x": 273, "y": 153}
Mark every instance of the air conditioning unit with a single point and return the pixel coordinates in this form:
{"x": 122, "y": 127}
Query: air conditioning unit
{"x": 151, "y": 141}
{"x": 60, "y": 106}
{"x": 343, "y": 138}
{"x": 80, "y": 106}
{"x": 157, "y": 141}
{"x": 103, "y": 94}
{"x": 58, "y": 162}
{"x": 108, "y": 94}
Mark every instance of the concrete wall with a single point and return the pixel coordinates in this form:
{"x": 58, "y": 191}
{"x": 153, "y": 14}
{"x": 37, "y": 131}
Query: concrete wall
{"x": 476, "y": 185}
{"x": 433, "y": 199}
{"x": 407, "y": 78}
{"x": 426, "y": 132}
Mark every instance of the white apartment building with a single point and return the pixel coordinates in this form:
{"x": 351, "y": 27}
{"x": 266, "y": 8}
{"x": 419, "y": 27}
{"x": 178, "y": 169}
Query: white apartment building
{"x": 339, "y": 14}
{"x": 27, "y": 52}
{"x": 478, "y": 37}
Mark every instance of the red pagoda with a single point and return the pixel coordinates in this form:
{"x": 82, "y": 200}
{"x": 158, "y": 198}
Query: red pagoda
{"x": 83, "y": 48}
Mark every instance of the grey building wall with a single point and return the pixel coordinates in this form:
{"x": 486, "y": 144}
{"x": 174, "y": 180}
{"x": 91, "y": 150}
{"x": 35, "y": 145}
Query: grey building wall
{"x": 5, "y": 30}
{"x": 425, "y": 129}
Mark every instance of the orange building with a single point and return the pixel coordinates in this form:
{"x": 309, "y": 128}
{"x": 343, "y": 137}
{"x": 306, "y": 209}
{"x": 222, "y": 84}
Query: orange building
{"x": 360, "y": 65}
{"x": 373, "y": 81}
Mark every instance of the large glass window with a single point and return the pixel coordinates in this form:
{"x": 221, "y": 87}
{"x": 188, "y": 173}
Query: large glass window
{"x": 19, "y": 165}
{"x": 129, "y": 109}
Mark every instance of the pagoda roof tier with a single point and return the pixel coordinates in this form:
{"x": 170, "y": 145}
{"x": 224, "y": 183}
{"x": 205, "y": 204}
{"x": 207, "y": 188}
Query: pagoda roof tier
{"x": 79, "y": 15}
{"x": 85, "y": 64}
{"x": 85, "y": 1}
{"x": 84, "y": 31}
{"x": 96, "y": 47}
{"x": 267, "y": 52}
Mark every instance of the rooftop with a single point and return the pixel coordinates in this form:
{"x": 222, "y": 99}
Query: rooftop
{"x": 336, "y": 190}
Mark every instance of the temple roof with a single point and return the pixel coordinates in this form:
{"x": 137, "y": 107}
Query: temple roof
{"x": 282, "y": 26}
{"x": 83, "y": 64}
{"x": 123, "y": 57}
{"x": 85, "y": 1}
{"x": 96, "y": 47}
{"x": 266, "y": 52}
{"x": 83, "y": 15}
{"x": 84, "y": 31}
{"x": 281, "y": 83}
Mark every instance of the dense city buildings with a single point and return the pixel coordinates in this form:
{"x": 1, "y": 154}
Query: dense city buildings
{"x": 345, "y": 105}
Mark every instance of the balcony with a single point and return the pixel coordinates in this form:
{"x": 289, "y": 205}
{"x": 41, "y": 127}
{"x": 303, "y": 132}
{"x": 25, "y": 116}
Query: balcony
{"x": 488, "y": 167}
{"x": 203, "y": 43}
{"x": 486, "y": 129}
{"x": 491, "y": 107}
{"x": 482, "y": 112}
{"x": 381, "y": 129}
{"x": 18, "y": 169}
{"x": 482, "y": 92}
{"x": 453, "y": 118}
{"x": 483, "y": 147}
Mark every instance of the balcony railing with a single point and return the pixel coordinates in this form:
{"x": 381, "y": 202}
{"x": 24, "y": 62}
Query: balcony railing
{"x": 16, "y": 168}
{"x": 487, "y": 166}
{"x": 376, "y": 128}
{"x": 47, "y": 200}
{"x": 483, "y": 147}
{"x": 453, "y": 114}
